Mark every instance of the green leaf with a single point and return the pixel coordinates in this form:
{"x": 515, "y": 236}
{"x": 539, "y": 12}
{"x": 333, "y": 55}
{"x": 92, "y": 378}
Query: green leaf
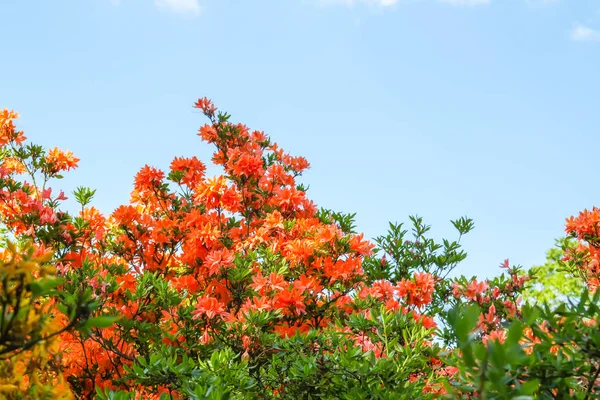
{"x": 44, "y": 285}
{"x": 100, "y": 322}
{"x": 530, "y": 387}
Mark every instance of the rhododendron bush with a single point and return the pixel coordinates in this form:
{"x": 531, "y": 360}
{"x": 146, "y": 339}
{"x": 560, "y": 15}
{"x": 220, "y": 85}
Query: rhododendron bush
{"x": 239, "y": 286}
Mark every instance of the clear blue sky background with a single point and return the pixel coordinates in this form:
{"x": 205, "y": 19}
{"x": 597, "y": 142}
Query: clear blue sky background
{"x": 439, "y": 108}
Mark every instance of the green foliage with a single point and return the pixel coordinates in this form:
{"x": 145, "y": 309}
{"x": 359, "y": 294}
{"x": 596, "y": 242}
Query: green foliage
{"x": 84, "y": 195}
{"x": 554, "y": 281}
{"x": 325, "y": 364}
{"x": 401, "y": 256}
{"x": 548, "y": 353}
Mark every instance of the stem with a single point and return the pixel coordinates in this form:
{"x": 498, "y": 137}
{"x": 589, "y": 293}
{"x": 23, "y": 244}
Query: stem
{"x": 591, "y": 384}
{"x": 481, "y": 388}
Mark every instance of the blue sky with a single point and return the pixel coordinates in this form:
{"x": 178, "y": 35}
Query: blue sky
{"x": 439, "y": 108}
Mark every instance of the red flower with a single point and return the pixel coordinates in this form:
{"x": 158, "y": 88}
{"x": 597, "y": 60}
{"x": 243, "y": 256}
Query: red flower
{"x": 205, "y": 105}
{"x": 210, "y": 307}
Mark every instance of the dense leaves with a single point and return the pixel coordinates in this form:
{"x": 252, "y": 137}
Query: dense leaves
{"x": 556, "y": 280}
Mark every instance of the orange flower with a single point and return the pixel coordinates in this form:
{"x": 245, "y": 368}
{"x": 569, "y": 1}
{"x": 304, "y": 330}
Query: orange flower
{"x": 418, "y": 292}
{"x": 8, "y": 132}
{"x": 291, "y": 299}
{"x": 495, "y": 335}
{"x": 205, "y": 105}
{"x": 148, "y": 178}
{"x": 475, "y": 288}
{"x": 208, "y": 306}
{"x": 60, "y": 160}
{"x": 218, "y": 259}
{"x": 14, "y": 165}
{"x": 194, "y": 170}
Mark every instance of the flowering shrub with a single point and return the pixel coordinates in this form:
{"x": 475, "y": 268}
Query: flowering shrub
{"x": 232, "y": 285}
{"x": 545, "y": 350}
{"x": 238, "y": 286}
{"x": 547, "y": 353}
{"x": 33, "y": 314}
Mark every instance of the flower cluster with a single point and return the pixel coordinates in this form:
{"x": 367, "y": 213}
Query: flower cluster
{"x": 586, "y": 257}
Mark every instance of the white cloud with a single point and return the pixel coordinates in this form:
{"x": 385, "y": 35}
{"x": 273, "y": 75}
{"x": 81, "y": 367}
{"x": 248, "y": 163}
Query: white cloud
{"x": 466, "y": 2}
{"x": 189, "y": 7}
{"x": 582, "y": 33}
